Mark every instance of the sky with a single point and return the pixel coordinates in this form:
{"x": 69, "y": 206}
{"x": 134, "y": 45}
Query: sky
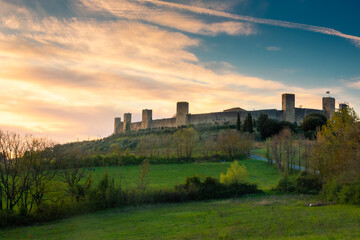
{"x": 69, "y": 67}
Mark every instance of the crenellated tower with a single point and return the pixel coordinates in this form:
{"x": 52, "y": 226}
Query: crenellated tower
{"x": 127, "y": 122}
{"x": 182, "y": 111}
{"x": 328, "y": 106}
{"x": 146, "y": 119}
{"x": 118, "y": 125}
{"x": 288, "y": 107}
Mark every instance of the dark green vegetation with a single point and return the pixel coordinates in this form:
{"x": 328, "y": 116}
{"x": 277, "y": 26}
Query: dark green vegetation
{"x": 254, "y": 217}
{"x": 128, "y": 185}
{"x": 248, "y": 124}
{"x": 312, "y": 123}
{"x": 36, "y": 176}
{"x": 269, "y": 127}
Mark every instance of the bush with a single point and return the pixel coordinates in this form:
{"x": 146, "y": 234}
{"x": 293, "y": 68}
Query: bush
{"x": 286, "y": 184}
{"x": 337, "y": 191}
{"x": 195, "y": 188}
{"x": 234, "y": 174}
{"x": 308, "y": 183}
{"x": 313, "y": 121}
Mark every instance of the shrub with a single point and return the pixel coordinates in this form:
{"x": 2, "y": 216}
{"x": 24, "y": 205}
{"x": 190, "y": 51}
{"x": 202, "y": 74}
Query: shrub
{"x": 313, "y": 121}
{"x": 308, "y": 183}
{"x": 337, "y": 191}
{"x": 234, "y": 174}
{"x": 286, "y": 184}
{"x": 196, "y": 188}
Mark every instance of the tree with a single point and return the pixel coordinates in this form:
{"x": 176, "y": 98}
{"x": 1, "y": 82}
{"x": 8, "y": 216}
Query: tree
{"x": 270, "y": 127}
{"x": 248, "y": 124}
{"x": 40, "y": 159}
{"x": 209, "y": 147}
{"x": 282, "y": 150}
{"x": 261, "y": 121}
{"x": 167, "y": 142}
{"x": 336, "y": 152}
{"x": 267, "y": 127}
{"x": 144, "y": 169}
{"x": 312, "y": 123}
{"x": 233, "y": 143}
{"x": 146, "y": 145}
{"x": 14, "y": 174}
{"x": 185, "y": 140}
{"x": 285, "y": 124}
{"x": 27, "y": 168}
{"x": 73, "y": 173}
{"x": 238, "y": 122}
{"x": 235, "y": 174}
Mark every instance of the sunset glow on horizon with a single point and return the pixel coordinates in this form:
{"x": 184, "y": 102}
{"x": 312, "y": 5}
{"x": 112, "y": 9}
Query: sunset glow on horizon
{"x": 69, "y": 67}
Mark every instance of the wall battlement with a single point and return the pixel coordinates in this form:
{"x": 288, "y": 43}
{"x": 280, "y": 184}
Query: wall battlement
{"x": 183, "y": 118}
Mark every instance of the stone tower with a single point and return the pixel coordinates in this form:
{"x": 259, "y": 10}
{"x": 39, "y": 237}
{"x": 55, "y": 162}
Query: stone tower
{"x": 146, "y": 119}
{"x": 328, "y": 106}
{"x": 182, "y": 110}
{"x": 127, "y": 122}
{"x": 288, "y": 107}
{"x": 118, "y": 126}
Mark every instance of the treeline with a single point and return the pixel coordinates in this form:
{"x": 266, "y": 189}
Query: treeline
{"x": 184, "y": 145}
{"x": 330, "y": 164}
{"x": 38, "y": 185}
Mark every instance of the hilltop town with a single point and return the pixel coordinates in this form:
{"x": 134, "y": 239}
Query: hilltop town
{"x": 288, "y": 113}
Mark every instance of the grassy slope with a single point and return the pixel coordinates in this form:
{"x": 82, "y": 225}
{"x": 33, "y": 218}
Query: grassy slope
{"x": 264, "y": 217}
{"x": 260, "y": 152}
{"x": 168, "y": 175}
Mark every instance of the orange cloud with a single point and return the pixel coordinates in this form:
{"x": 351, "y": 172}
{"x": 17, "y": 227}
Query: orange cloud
{"x": 68, "y": 78}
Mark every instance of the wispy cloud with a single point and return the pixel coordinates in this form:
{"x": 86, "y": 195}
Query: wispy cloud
{"x": 273, "y": 48}
{"x": 286, "y": 24}
{"x": 69, "y": 77}
{"x": 353, "y": 83}
{"x": 137, "y": 10}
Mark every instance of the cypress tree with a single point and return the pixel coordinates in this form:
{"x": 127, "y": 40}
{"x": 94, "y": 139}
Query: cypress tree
{"x": 248, "y": 124}
{"x": 238, "y": 123}
{"x": 250, "y": 121}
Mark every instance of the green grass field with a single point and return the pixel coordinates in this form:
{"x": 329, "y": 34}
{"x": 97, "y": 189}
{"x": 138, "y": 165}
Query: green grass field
{"x": 168, "y": 175}
{"x": 252, "y": 217}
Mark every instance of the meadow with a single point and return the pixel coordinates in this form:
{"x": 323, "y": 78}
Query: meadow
{"x": 169, "y": 175}
{"x": 262, "y": 216}
{"x": 250, "y": 217}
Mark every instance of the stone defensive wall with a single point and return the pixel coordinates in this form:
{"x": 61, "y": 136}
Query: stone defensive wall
{"x": 183, "y": 117}
{"x": 301, "y": 113}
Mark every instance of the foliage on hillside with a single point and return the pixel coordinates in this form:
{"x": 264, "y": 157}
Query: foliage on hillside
{"x": 203, "y": 143}
{"x": 332, "y": 160}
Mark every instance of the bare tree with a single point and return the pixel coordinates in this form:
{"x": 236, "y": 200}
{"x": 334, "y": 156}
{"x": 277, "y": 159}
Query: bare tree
{"x": 72, "y": 172}
{"x": 283, "y": 151}
{"x": 276, "y": 150}
{"x": 185, "y": 141}
{"x": 14, "y": 176}
{"x": 40, "y": 159}
{"x": 210, "y": 147}
{"x": 27, "y": 167}
{"x": 167, "y": 141}
{"x": 144, "y": 169}
{"x": 146, "y": 146}
{"x": 233, "y": 143}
